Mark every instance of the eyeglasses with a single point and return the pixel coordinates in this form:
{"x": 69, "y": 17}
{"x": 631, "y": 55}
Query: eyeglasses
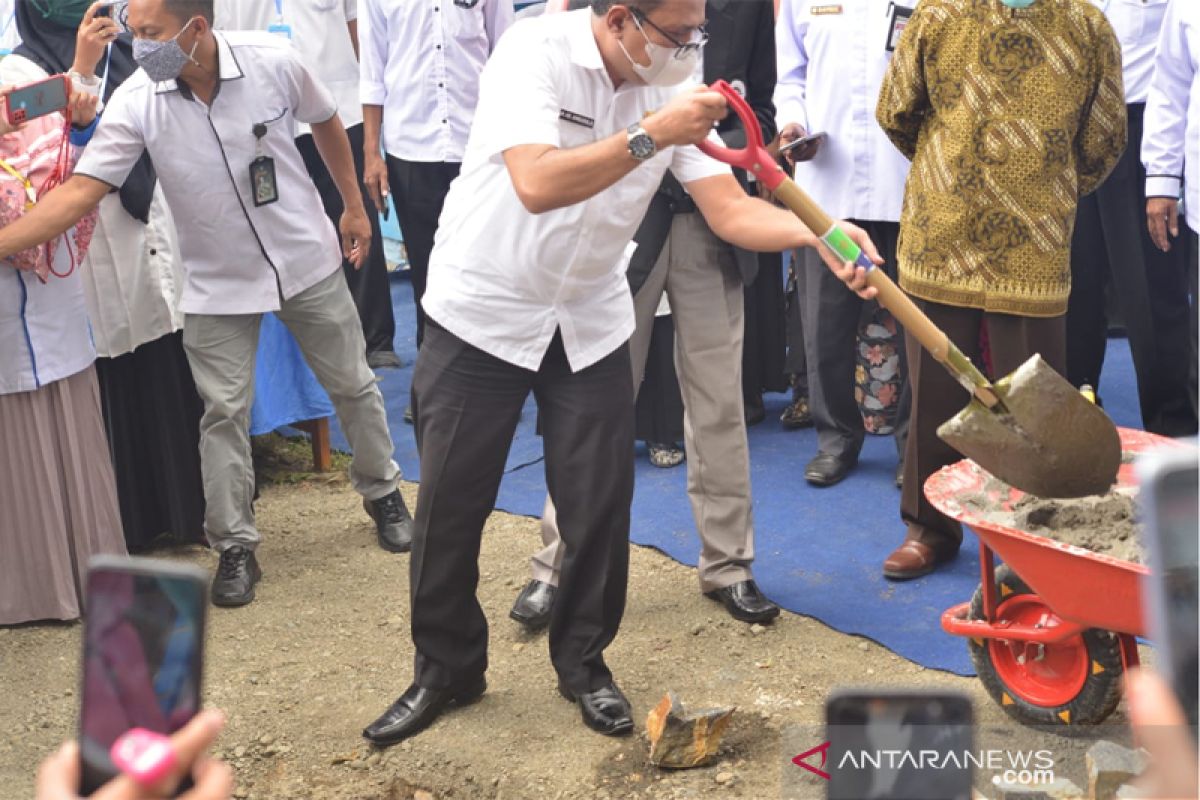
{"x": 682, "y": 49}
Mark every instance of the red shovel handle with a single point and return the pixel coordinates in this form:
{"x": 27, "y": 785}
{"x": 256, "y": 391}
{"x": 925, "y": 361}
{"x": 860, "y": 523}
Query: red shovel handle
{"x": 754, "y": 157}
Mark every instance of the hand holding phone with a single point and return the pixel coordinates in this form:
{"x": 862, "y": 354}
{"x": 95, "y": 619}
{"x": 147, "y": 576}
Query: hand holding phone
{"x": 804, "y": 148}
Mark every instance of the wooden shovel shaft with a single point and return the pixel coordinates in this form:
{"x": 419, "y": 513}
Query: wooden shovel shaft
{"x": 890, "y": 296}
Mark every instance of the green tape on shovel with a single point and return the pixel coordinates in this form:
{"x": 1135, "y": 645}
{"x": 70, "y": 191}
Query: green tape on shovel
{"x": 837, "y": 241}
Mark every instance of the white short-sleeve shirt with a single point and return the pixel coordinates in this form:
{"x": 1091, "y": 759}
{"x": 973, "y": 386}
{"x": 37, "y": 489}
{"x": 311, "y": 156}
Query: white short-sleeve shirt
{"x": 237, "y": 258}
{"x": 504, "y": 279}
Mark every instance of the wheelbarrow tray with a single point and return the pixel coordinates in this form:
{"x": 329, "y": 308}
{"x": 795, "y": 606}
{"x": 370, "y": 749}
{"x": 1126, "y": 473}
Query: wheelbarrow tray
{"x": 1091, "y": 589}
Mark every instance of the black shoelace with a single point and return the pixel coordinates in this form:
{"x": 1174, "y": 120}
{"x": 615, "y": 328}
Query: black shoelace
{"x": 390, "y": 508}
{"x": 233, "y": 561}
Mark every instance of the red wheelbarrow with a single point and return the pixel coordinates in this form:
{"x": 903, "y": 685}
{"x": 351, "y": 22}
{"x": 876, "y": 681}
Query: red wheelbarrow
{"x": 1052, "y": 630}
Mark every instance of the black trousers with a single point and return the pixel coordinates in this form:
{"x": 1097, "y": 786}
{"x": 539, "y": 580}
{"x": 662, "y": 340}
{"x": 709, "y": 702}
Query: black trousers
{"x": 830, "y": 317}
{"x": 467, "y": 404}
{"x": 764, "y": 344}
{"x": 1151, "y": 288}
{"x": 419, "y": 191}
{"x": 368, "y": 285}
{"x": 796, "y": 363}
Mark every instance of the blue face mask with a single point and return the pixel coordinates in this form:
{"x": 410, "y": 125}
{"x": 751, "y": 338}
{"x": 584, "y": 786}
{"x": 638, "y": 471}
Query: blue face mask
{"x": 1017, "y": 3}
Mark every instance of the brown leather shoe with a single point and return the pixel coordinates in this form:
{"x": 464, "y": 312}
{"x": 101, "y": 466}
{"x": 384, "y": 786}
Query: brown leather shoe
{"x": 912, "y": 560}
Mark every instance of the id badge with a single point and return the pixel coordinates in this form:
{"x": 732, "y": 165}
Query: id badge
{"x": 262, "y": 181}
{"x": 280, "y": 29}
{"x": 896, "y": 25}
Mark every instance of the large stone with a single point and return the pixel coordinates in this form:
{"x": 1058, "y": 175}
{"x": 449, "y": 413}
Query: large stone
{"x": 1058, "y": 789}
{"x": 1110, "y": 766}
{"x": 681, "y": 738}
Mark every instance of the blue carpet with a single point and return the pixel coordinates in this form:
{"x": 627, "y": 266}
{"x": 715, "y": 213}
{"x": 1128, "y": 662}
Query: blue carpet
{"x": 819, "y": 551}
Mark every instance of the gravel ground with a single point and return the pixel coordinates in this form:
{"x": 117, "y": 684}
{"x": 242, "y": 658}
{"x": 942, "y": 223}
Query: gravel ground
{"x": 325, "y": 648}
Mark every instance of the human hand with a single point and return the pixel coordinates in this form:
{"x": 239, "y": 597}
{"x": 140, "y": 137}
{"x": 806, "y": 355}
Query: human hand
{"x": 355, "y": 229}
{"x": 805, "y": 152}
{"x": 1160, "y": 727}
{"x": 95, "y": 33}
{"x": 375, "y": 178}
{"x": 1162, "y": 216}
{"x": 82, "y": 107}
{"x": 687, "y": 119}
{"x": 847, "y": 272}
{"x": 59, "y": 776}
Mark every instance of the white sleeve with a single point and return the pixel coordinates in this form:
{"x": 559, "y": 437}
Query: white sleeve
{"x": 372, "y": 53}
{"x": 351, "y": 10}
{"x": 498, "y": 15}
{"x": 689, "y": 163}
{"x": 117, "y": 143}
{"x": 1167, "y": 107}
{"x": 311, "y": 101}
{"x": 518, "y": 95}
{"x": 791, "y": 60}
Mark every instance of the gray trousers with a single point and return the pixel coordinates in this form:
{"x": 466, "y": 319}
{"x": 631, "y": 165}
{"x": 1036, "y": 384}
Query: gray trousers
{"x": 704, "y": 287}
{"x": 221, "y": 349}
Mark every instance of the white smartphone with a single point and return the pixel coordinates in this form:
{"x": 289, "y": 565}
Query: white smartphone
{"x": 1169, "y": 502}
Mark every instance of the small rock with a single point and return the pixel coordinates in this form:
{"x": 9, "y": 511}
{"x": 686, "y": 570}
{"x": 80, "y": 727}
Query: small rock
{"x": 757, "y": 629}
{"x": 422, "y": 794}
{"x": 863, "y": 646}
{"x": 697, "y": 630}
{"x": 241, "y": 792}
{"x": 374, "y": 759}
{"x": 1110, "y": 766}
{"x": 266, "y": 739}
{"x": 680, "y": 739}
{"x": 724, "y": 778}
{"x": 358, "y": 765}
{"x": 518, "y": 647}
{"x": 240, "y": 752}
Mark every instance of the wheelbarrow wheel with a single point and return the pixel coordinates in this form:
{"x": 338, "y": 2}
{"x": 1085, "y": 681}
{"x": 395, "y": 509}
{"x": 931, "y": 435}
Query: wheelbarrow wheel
{"x": 1073, "y": 682}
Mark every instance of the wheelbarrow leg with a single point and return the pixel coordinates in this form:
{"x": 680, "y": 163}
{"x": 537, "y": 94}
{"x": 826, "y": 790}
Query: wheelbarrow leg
{"x": 987, "y": 570}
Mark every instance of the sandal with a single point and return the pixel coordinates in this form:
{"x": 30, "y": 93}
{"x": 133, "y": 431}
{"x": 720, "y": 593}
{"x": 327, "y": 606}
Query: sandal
{"x": 797, "y": 415}
{"x": 665, "y": 455}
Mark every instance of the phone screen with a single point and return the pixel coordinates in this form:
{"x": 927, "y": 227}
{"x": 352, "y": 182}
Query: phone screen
{"x": 1178, "y": 532}
{"x": 899, "y": 747}
{"x": 142, "y": 658}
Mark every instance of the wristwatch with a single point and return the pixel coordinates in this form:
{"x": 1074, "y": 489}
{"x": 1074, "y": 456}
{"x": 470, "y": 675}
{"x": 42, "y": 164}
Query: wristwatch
{"x": 91, "y": 83}
{"x": 641, "y": 146}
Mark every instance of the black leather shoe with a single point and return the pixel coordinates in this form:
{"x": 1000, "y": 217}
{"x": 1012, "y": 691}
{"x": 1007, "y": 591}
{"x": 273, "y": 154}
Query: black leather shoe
{"x": 393, "y": 523}
{"x": 417, "y": 708}
{"x": 236, "y": 575}
{"x": 534, "y": 605}
{"x": 383, "y": 359}
{"x": 408, "y": 416}
{"x": 826, "y": 469}
{"x": 745, "y": 602}
{"x": 605, "y": 710}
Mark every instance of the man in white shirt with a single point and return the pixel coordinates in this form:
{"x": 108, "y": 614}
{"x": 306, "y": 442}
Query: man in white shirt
{"x": 832, "y": 57}
{"x": 216, "y": 114}
{"x": 1111, "y": 246}
{"x": 325, "y": 35}
{"x": 575, "y": 129}
{"x": 419, "y": 85}
{"x": 1171, "y": 150}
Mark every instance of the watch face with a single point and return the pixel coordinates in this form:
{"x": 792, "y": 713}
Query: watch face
{"x": 641, "y": 146}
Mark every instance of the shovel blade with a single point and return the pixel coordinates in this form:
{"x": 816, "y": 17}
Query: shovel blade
{"x": 1052, "y": 442}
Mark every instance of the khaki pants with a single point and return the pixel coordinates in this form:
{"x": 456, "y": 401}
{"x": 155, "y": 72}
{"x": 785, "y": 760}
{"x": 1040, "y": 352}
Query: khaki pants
{"x": 221, "y": 350}
{"x": 700, "y": 276}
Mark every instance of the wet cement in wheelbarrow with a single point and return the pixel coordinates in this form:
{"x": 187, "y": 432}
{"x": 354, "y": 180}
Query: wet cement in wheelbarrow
{"x": 1101, "y": 523}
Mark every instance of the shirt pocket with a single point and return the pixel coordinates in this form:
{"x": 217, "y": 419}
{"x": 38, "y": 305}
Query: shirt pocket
{"x": 465, "y": 18}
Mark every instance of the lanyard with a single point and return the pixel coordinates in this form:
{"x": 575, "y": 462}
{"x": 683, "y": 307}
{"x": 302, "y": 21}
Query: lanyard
{"x": 107, "y": 62}
{"x": 279, "y": 9}
{"x": 30, "y": 194}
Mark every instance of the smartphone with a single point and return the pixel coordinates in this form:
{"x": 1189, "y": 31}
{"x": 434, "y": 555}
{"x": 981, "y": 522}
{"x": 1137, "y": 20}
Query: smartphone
{"x": 803, "y": 140}
{"x": 37, "y": 99}
{"x": 143, "y": 654}
{"x": 1168, "y": 501}
{"x": 899, "y": 745}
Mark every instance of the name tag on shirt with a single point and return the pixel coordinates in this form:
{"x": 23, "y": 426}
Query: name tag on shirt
{"x": 896, "y": 25}
{"x": 822, "y": 11}
{"x": 280, "y": 29}
{"x": 578, "y": 119}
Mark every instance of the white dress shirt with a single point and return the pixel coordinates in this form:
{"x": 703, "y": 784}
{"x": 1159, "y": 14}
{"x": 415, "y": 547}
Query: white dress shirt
{"x": 131, "y": 274}
{"x": 831, "y": 59}
{"x": 503, "y": 279}
{"x": 421, "y": 61}
{"x": 1171, "y": 140}
{"x": 318, "y": 30}
{"x": 1136, "y": 23}
{"x": 237, "y": 258}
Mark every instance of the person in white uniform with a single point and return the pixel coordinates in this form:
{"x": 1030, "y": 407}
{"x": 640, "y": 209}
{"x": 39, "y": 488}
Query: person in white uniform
{"x": 215, "y": 111}
{"x": 576, "y": 126}
{"x": 1171, "y": 150}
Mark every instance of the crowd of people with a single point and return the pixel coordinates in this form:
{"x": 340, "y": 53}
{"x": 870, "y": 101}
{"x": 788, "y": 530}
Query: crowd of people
{"x": 1004, "y": 160}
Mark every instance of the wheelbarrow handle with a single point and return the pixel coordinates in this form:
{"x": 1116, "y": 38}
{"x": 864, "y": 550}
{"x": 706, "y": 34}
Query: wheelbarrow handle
{"x": 755, "y": 159}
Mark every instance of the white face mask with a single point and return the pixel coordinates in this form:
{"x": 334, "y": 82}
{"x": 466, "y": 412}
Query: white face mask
{"x": 665, "y": 68}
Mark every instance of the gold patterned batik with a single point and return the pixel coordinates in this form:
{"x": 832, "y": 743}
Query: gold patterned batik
{"x": 1009, "y": 116}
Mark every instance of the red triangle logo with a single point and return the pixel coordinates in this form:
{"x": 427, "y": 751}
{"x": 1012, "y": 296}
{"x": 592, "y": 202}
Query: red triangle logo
{"x": 800, "y": 761}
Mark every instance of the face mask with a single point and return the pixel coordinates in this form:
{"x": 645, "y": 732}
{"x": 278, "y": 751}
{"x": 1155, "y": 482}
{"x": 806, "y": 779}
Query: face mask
{"x": 1017, "y": 3}
{"x": 163, "y": 61}
{"x": 665, "y": 69}
{"x": 68, "y": 13}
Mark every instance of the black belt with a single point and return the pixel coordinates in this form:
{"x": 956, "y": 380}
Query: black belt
{"x": 683, "y": 205}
